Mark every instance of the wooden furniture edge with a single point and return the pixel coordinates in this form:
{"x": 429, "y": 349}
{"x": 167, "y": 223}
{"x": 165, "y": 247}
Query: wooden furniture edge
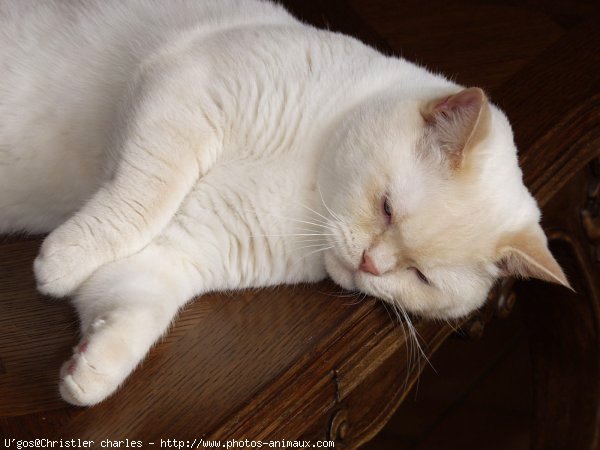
{"x": 334, "y": 372}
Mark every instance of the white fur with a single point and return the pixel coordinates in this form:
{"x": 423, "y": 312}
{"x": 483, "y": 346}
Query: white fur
{"x": 221, "y": 145}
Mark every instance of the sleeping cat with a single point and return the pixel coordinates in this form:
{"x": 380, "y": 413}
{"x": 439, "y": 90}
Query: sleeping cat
{"x": 188, "y": 146}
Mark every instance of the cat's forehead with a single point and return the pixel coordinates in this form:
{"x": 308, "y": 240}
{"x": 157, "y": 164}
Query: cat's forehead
{"x": 408, "y": 190}
{"x": 446, "y": 230}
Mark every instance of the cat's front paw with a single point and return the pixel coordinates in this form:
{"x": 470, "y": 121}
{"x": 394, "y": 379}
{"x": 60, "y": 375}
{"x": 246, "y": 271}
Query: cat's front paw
{"x": 62, "y": 265}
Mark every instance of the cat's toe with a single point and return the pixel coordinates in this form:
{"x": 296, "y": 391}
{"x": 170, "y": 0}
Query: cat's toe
{"x": 60, "y": 270}
{"x": 83, "y": 384}
{"x": 90, "y": 376}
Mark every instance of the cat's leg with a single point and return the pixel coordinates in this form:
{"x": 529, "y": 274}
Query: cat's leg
{"x": 168, "y": 141}
{"x": 124, "y": 307}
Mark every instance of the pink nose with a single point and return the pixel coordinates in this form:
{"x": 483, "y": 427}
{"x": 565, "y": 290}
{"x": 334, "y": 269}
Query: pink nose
{"x": 367, "y": 265}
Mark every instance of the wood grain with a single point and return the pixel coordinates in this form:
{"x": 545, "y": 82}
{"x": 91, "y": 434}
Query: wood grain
{"x": 564, "y": 329}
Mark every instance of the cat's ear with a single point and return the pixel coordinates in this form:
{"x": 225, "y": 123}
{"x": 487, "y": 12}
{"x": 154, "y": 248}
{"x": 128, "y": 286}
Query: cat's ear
{"x": 526, "y": 254}
{"x": 458, "y": 122}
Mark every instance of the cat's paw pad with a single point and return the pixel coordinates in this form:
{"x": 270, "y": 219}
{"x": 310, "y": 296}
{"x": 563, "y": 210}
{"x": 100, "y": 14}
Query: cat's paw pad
{"x": 83, "y": 384}
{"x": 61, "y": 266}
{"x": 92, "y": 373}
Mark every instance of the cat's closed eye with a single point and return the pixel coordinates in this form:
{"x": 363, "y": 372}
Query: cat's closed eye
{"x": 387, "y": 209}
{"x": 422, "y": 278}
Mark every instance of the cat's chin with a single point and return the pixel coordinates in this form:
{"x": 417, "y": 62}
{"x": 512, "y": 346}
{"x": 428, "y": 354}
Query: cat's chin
{"x": 339, "y": 272}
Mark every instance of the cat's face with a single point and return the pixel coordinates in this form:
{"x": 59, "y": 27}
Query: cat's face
{"x": 428, "y": 207}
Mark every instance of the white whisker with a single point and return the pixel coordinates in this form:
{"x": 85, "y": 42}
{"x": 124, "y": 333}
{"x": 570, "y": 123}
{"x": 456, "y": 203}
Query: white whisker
{"x": 314, "y": 239}
{"x": 311, "y": 253}
{"x": 327, "y": 220}
{"x": 416, "y": 336}
{"x": 317, "y": 222}
{"x": 290, "y": 235}
{"x": 334, "y": 215}
{"x": 312, "y": 246}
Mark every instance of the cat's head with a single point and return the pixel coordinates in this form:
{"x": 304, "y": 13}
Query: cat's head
{"x": 428, "y": 205}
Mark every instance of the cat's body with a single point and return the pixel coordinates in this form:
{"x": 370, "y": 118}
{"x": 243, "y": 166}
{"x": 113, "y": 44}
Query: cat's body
{"x": 74, "y": 61}
{"x": 222, "y": 145}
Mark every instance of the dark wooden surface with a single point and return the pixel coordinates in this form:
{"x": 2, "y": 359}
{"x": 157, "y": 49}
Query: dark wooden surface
{"x": 290, "y": 362}
{"x": 477, "y": 395}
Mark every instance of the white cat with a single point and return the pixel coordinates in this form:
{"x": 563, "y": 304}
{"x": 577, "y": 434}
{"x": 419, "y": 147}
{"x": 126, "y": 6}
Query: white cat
{"x": 189, "y": 146}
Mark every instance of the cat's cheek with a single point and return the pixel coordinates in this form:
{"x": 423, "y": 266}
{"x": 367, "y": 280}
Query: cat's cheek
{"x": 338, "y": 272}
